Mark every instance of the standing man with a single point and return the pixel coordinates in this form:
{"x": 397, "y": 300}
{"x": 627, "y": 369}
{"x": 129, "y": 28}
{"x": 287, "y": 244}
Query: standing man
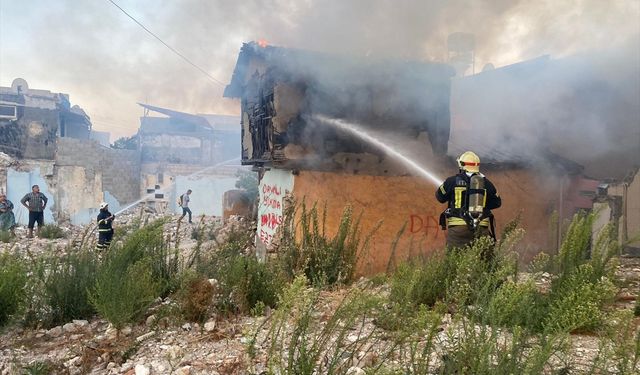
{"x": 470, "y": 197}
{"x": 105, "y": 227}
{"x": 184, "y": 203}
{"x": 35, "y": 202}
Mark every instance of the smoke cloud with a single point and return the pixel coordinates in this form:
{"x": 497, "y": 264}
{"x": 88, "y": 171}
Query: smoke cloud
{"x": 107, "y": 63}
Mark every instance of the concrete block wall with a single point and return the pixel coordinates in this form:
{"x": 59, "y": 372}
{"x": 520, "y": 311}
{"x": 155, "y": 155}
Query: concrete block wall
{"x": 120, "y": 169}
{"x": 121, "y": 174}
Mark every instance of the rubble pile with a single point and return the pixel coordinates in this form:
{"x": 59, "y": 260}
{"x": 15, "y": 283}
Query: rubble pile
{"x": 7, "y": 161}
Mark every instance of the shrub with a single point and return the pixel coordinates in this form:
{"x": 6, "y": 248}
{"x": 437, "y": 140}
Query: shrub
{"x": 299, "y": 343}
{"x": 13, "y": 279}
{"x": 324, "y": 261}
{"x": 243, "y": 281}
{"x": 51, "y": 231}
{"x": 619, "y": 349}
{"x": 473, "y": 349}
{"x": 124, "y": 288}
{"x": 422, "y": 281}
{"x": 574, "y": 250}
{"x": 576, "y": 301}
{"x": 5, "y": 236}
{"x": 67, "y": 281}
{"x": 196, "y": 298}
{"x": 516, "y": 304}
{"x": 148, "y": 242}
{"x": 59, "y": 287}
{"x": 43, "y": 368}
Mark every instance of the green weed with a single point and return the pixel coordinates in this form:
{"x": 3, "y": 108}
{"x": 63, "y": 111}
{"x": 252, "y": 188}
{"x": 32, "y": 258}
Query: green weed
{"x": 125, "y": 285}
{"x": 305, "y": 247}
{"x": 51, "y": 231}
{"x": 13, "y": 279}
{"x": 6, "y": 236}
{"x": 66, "y": 282}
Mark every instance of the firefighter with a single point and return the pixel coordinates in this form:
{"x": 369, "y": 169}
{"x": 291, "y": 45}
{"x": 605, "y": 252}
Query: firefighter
{"x": 470, "y": 197}
{"x": 105, "y": 227}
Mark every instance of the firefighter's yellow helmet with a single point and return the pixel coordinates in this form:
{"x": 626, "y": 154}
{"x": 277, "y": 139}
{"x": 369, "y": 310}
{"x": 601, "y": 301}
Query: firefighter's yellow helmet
{"x": 469, "y": 162}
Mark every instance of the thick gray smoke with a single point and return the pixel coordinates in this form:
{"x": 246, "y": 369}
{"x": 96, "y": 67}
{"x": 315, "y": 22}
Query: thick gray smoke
{"x": 107, "y": 63}
{"x": 584, "y": 108}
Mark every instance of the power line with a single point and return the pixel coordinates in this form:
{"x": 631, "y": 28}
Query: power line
{"x": 212, "y": 78}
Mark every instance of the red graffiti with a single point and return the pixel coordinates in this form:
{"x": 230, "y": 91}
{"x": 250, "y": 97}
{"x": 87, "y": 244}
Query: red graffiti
{"x": 427, "y": 224}
{"x": 271, "y": 220}
{"x": 271, "y": 203}
{"x": 271, "y": 189}
{"x": 265, "y": 237}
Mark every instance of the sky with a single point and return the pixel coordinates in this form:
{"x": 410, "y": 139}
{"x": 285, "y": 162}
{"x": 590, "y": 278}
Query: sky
{"x": 107, "y": 63}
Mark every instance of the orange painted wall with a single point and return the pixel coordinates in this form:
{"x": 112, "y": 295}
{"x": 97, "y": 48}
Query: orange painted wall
{"x": 410, "y": 200}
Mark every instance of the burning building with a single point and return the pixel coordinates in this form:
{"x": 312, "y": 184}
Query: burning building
{"x": 284, "y": 92}
{"x": 287, "y": 94}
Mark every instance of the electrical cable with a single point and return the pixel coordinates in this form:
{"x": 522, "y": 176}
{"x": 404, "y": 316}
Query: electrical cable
{"x": 212, "y": 78}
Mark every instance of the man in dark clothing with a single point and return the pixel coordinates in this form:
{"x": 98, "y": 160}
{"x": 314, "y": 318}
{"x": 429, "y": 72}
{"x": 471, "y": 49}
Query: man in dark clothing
{"x": 184, "y": 203}
{"x": 470, "y": 197}
{"x": 35, "y": 202}
{"x": 105, "y": 227}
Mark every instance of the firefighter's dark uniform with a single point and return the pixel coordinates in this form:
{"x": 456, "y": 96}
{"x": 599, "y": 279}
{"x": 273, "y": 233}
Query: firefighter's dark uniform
{"x": 454, "y": 191}
{"x": 105, "y": 229}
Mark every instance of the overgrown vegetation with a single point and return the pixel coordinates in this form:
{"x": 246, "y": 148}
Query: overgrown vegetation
{"x": 499, "y": 323}
{"x": 196, "y": 296}
{"x": 465, "y": 311}
{"x": 243, "y": 281}
{"x": 306, "y": 247}
{"x": 66, "y": 282}
{"x": 133, "y": 275}
{"x": 6, "y": 236}
{"x": 126, "y": 143}
{"x": 51, "y": 231}
{"x": 13, "y": 278}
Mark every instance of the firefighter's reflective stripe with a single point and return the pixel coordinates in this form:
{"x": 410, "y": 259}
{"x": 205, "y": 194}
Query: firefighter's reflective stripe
{"x": 458, "y": 196}
{"x": 455, "y": 221}
{"x": 104, "y": 230}
{"x": 444, "y": 192}
{"x": 484, "y": 198}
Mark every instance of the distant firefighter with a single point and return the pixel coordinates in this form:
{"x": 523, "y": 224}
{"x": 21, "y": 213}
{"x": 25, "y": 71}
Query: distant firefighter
{"x": 470, "y": 197}
{"x": 105, "y": 227}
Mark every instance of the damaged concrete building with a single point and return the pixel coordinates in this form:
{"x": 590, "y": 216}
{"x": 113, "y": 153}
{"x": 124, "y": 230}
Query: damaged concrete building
{"x": 46, "y": 141}
{"x": 407, "y": 104}
{"x": 181, "y": 151}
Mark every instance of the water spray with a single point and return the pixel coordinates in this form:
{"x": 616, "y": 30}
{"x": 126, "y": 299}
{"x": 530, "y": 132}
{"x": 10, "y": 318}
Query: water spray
{"x": 173, "y": 183}
{"x": 362, "y": 134}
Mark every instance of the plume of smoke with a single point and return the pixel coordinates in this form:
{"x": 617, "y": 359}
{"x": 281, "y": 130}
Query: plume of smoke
{"x": 107, "y": 63}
